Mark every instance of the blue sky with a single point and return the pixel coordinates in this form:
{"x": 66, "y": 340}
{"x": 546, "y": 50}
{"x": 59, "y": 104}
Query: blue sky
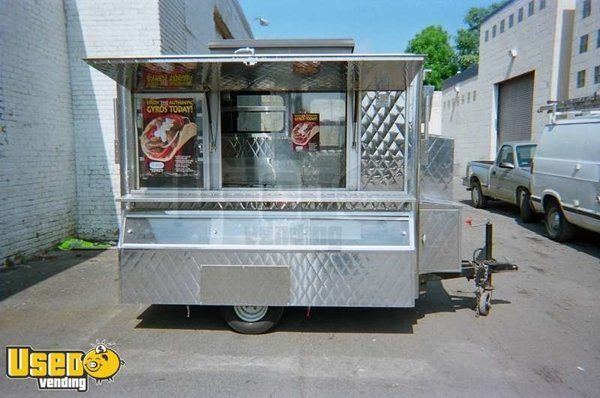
{"x": 375, "y": 25}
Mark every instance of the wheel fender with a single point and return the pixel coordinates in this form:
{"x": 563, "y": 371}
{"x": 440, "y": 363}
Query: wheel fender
{"x": 550, "y": 194}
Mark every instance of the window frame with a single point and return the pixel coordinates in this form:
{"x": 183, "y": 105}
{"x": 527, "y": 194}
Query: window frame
{"x": 586, "y": 9}
{"x": 511, "y": 21}
{"x": 500, "y": 154}
{"x": 530, "y": 8}
{"x": 348, "y": 164}
{"x": 520, "y": 14}
{"x": 494, "y": 29}
{"x": 583, "y": 43}
{"x": 502, "y": 26}
{"x": 597, "y": 74}
{"x": 542, "y": 4}
{"x": 580, "y": 82}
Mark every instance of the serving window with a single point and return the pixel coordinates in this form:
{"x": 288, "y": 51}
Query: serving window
{"x": 283, "y": 140}
{"x": 169, "y": 141}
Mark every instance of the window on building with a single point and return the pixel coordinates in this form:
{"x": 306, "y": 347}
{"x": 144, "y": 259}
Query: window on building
{"x": 493, "y": 31}
{"x": 502, "y": 26}
{"x": 520, "y": 15}
{"x": 474, "y": 95}
{"x": 530, "y": 9}
{"x": 542, "y": 4}
{"x": 597, "y": 74}
{"x": 468, "y": 97}
{"x": 462, "y": 99}
{"x": 598, "y": 39}
{"x": 587, "y": 8}
{"x": 511, "y": 20}
{"x": 487, "y": 35}
{"x": 583, "y": 44}
{"x": 581, "y": 78}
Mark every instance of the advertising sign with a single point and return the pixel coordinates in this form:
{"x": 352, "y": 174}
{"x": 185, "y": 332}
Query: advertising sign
{"x": 168, "y": 147}
{"x": 168, "y": 76}
{"x": 305, "y": 132}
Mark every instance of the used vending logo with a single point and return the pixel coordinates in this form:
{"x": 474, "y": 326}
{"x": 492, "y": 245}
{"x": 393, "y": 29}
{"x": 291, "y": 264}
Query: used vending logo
{"x": 62, "y": 370}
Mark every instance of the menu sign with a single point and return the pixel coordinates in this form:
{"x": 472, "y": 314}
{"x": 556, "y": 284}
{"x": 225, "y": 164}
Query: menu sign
{"x": 305, "y": 131}
{"x": 168, "y": 75}
{"x": 168, "y": 141}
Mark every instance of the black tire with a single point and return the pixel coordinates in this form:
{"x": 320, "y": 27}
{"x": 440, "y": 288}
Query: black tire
{"x": 525, "y": 209}
{"x": 478, "y": 200}
{"x": 557, "y": 226}
{"x": 262, "y": 325}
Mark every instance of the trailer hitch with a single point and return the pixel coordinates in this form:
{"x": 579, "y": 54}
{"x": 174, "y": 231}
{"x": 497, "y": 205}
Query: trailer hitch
{"x": 481, "y": 270}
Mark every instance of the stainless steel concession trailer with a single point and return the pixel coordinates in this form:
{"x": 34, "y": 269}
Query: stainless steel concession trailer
{"x": 283, "y": 173}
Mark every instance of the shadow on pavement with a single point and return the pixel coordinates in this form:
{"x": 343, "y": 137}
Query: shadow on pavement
{"x": 321, "y": 319}
{"x": 20, "y": 277}
{"x": 584, "y": 241}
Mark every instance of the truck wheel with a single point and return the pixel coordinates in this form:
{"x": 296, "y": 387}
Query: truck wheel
{"x": 478, "y": 200}
{"x": 251, "y": 319}
{"x": 557, "y": 226}
{"x": 484, "y": 303}
{"x": 525, "y": 209}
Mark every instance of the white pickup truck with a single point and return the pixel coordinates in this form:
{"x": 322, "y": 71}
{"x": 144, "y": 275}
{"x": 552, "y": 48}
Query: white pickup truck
{"x": 507, "y": 178}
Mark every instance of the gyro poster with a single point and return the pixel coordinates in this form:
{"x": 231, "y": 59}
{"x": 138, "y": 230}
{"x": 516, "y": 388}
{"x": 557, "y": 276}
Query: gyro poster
{"x": 168, "y": 143}
{"x": 305, "y": 132}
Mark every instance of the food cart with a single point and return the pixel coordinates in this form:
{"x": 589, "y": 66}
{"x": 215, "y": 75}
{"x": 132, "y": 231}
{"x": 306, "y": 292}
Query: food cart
{"x": 276, "y": 173}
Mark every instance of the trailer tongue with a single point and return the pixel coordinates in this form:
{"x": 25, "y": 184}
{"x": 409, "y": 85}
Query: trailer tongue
{"x": 295, "y": 174}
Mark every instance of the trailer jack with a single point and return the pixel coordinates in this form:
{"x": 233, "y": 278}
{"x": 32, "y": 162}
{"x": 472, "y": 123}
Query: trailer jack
{"x": 480, "y": 271}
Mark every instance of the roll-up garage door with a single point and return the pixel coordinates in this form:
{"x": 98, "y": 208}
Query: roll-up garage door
{"x": 515, "y": 104}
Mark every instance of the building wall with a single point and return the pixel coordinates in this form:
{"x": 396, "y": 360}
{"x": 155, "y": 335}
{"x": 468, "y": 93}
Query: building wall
{"x": 539, "y": 47}
{"x": 435, "y": 121}
{"x": 37, "y": 146}
{"x": 95, "y": 29}
{"x": 146, "y": 27}
{"x": 590, "y": 59}
{"x": 462, "y": 110}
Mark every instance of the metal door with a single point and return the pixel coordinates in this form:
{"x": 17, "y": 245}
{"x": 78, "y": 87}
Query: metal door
{"x": 515, "y": 106}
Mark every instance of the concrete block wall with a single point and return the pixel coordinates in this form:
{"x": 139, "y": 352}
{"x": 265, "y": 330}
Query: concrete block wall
{"x": 462, "y": 111}
{"x": 37, "y": 146}
{"x": 188, "y": 25}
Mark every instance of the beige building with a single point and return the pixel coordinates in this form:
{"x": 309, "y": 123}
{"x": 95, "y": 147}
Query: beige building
{"x": 585, "y": 61}
{"x": 526, "y": 59}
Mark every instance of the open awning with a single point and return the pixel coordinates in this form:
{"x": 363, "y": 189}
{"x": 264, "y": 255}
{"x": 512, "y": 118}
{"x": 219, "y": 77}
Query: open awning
{"x": 263, "y": 72}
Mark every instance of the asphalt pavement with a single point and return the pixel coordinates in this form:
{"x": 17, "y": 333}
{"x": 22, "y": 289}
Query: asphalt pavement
{"x": 542, "y": 337}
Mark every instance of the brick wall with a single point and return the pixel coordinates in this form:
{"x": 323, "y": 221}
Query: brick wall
{"x": 58, "y": 175}
{"x": 37, "y": 151}
{"x": 146, "y": 27}
{"x": 95, "y": 29}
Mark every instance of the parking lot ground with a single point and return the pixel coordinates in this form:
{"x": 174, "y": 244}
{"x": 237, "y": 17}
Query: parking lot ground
{"x": 542, "y": 337}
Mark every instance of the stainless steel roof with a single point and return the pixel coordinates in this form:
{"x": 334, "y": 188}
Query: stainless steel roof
{"x": 274, "y": 72}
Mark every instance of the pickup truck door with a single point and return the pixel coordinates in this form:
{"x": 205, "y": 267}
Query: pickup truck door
{"x": 500, "y": 177}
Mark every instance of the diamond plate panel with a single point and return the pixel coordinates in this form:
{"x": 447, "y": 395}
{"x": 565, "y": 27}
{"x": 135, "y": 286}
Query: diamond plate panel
{"x": 440, "y": 239}
{"x": 284, "y": 76}
{"x": 316, "y": 278}
{"x": 436, "y": 174}
{"x": 383, "y": 140}
{"x": 289, "y": 206}
{"x": 247, "y": 147}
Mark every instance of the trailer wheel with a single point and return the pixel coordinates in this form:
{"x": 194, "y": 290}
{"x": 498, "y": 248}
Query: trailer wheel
{"x": 484, "y": 303}
{"x": 478, "y": 200}
{"x": 251, "y": 319}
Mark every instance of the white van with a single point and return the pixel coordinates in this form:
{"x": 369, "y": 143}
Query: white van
{"x": 565, "y": 180}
